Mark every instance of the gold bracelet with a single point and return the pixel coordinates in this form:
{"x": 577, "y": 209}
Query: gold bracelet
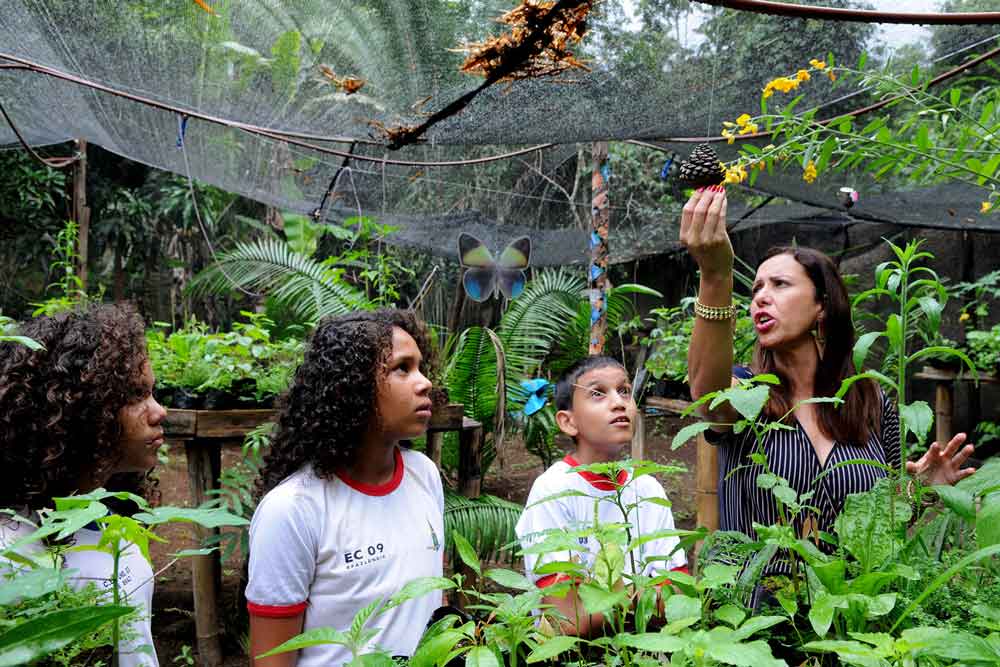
{"x": 714, "y": 313}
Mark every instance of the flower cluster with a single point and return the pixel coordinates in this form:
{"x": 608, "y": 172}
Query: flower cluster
{"x": 809, "y": 174}
{"x": 986, "y": 207}
{"x": 743, "y": 125}
{"x": 735, "y": 173}
{"x": 786, "y": 84}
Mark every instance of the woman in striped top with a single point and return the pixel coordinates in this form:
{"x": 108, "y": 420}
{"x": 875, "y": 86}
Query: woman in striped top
{"x": 805, "y": 336}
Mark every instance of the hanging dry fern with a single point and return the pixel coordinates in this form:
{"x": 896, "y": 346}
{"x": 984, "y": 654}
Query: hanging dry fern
{"x": 549, "y": 53}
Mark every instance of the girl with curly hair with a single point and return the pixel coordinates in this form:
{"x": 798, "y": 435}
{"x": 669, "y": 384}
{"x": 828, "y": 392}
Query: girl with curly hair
{"x": 347, "y": 515}
{"x": 73, "y": 415}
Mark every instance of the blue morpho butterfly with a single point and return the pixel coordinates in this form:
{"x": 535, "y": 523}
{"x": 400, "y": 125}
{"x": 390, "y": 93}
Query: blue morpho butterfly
{"x": 484, "y": 275}
{"x": 536, "y": 391}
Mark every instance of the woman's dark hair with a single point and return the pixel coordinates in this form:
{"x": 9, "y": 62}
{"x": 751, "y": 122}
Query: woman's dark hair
{"x": 331, "y": 403}
{"x": 59, "y": 405}
{"x": 861, "y": 413}
{"x": 571, "y": 376}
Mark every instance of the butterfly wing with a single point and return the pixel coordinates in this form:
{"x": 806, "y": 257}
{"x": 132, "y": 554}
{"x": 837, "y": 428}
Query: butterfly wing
{"x": 517, "y": 254}
{"x": 473, "y": 253}
{"x": 511, "y": 282}
{"x": 480, "y": 283}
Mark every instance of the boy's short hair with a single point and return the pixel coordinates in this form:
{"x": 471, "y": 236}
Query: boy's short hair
{"x": 571, "y": 376}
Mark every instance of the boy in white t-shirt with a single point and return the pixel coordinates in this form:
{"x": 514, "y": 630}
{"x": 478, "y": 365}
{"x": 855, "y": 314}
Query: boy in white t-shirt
{"x": 347, "y": 517}
{"x": 596, "y": 408}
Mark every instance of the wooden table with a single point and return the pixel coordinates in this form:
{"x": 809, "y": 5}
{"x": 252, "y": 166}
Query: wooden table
{"x": 944, "y": 396}
{"x": 203, "y": 433}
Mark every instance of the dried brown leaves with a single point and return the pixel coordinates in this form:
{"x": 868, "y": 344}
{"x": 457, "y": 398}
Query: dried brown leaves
{"x": 549, "y": 56}
{"x": 346, "y": 84}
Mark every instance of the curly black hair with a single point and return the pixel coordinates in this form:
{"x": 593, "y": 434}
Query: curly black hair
{"x": 59, "y": 406}
{"x": 331, "y": 403}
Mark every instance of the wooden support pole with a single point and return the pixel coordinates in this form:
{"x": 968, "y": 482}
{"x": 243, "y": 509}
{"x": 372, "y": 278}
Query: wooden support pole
{"x": 203, "y": 568}
{"x": 943, "y": 402}
{"x": 600, "y": 217}
{"x": 707, "y": 485}
{"x": 639, "y": 437}
{"x": 470, "y": 461}
{"x": 435, "y": 442}
{"x": 81, "y": 212}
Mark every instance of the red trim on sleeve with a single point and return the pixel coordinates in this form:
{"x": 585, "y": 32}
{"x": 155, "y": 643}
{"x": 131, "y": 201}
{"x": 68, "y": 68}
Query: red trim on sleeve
{"x": 550, "y": 579}
{"x": 377, "y": 489}
{"x": 276, "y": 611}
{"x": 599, "y": 482}
{"x": 667, "y": 582}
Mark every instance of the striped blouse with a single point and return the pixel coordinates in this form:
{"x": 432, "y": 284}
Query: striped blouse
{"x": 790, "y": 454}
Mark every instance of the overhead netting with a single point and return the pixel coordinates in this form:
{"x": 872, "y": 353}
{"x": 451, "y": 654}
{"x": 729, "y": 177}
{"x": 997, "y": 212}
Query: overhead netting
{"x": 347, "y": 107}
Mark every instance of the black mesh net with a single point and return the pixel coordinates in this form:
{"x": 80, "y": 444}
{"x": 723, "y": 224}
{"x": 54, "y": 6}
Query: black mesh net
{"x": 279, "y": 101}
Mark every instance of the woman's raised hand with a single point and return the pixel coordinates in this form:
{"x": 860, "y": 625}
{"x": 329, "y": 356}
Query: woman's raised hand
{"x": 703, "y": 231}
{"x": 943, "y": 465}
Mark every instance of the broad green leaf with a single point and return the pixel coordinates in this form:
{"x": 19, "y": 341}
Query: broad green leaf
{"x": 314, "y": 637}
{"x": 832, "y": 575}
{"x": 52, "y": 631}
{"x": 208, "y": 518}
{"x": 716, "y": 574}
{"x": 510, "y": 579}
{"x": 609, "y": 564}
{"x": 951, "y": 644}
{"x": 596, "y": 600}
{"x": 755, "y": 624}
{"x": 418, "y": 588}
{"x": 747, "y": 402}
{"x": 918, "y": 418}
{"x": 894, "y": 331}
{"x": 862, "y": 346}
{"x": 678, "y": 607}
{"x": 552, "y": 647}
{"x": 438, "y": 650}
{"x": 689, "y": 432}
{"x": 822, "y": 610}
{"x": 745, "y": 654}
{"x": 730, "y": 614}
{"x": 466, "y": 552}
{"x": 988, "y": 525}
{"x": 481, "y": 656}
{"x": 30, "y": 585}
{"x": 869, "y": 524}
{"x": 29, "y": 343}
{"x": 959, "y": 501}
{"x": 652, "y": 642}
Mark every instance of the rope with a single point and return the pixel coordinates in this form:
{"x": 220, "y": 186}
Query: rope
{"x": 856, "y": 15}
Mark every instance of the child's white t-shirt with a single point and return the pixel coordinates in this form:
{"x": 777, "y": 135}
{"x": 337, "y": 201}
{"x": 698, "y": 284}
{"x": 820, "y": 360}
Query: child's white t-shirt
{"x": 331, "y": 547}
{"x": 135, "y": 579}
{"x": 572, "y": 513}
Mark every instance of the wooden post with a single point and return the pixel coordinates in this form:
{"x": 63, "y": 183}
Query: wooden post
{"x": 203, "y": 568}
{"x": 943, "y": 401}
{"x": 435, "y": 442}
{"x": 707, "y": 485}
{"x": 600, "y": 217}
{"x": 639, "y": 437}
{"x": 81, "y": 212}
{"x": 470, "y": 459}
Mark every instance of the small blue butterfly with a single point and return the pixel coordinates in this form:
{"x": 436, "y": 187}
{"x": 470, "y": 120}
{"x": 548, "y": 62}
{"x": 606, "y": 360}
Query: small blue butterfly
{"x": 537, "y": 391}
{"x": 666, "y": 168}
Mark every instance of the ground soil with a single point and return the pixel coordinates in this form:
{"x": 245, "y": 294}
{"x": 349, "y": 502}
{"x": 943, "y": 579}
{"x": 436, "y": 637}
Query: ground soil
{"x": 173, "y": 615}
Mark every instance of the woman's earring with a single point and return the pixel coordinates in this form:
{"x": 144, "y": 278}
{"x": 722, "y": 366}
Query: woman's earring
{"x": 820, "y": 339}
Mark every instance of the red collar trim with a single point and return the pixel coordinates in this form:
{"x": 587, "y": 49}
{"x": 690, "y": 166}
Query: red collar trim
{"x": 599, "y": 482}
{"x": 377, "y": 489}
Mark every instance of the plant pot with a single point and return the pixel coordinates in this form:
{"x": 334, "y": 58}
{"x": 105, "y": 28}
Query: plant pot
{"x": 945, "y": 363}
{"x": 165, "y": 396}
{"x": 219, "y": 399}
{"x": 244, "y": 389}
{"x": 185, "y": 399}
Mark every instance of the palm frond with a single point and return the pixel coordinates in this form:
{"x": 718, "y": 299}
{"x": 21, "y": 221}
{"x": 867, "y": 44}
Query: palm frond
{"x": 471, "y": 374}
{"x": 487, "y": 522}
{"x": 310, "y": 289}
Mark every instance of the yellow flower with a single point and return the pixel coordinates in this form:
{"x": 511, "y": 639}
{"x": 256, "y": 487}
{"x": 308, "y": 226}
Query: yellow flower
{"x": 736, "y": 173}
{"x": 730, "y": 136}
{"x": 833, "y": 77}
{"x": 749, "y": 128}
{"x": 985, "y": 207}
{"x": 768, "y": 92}
{"x": 743, "y": 120}
{"x": 803, "y": 75}
{"x": 818, "y": 64}
{"x": 964, "y": 317}
{"x": 784, "y": 84}
{"x": 809, "y": 175}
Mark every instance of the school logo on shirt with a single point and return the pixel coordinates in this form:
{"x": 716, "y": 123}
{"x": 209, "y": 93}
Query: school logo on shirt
{"x": 366, "y": 556}
{"x": 435, "y": 543}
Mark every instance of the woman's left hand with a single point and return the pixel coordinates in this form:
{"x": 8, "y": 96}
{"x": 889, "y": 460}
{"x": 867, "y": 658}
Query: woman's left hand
{"x": 943, "y": 465}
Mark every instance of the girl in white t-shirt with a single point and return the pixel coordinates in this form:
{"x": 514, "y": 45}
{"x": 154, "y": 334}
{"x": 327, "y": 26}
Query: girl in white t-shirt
{"x": 77, "y": 415}
{"x": 595, "y": 407}
{"x": 347, "y": 515}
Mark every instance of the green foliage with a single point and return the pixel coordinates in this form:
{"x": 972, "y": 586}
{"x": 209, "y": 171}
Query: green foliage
{"x": 195, "y": 359}
{"x": 486, "y": 522}
{"x": 68, "y": 288}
